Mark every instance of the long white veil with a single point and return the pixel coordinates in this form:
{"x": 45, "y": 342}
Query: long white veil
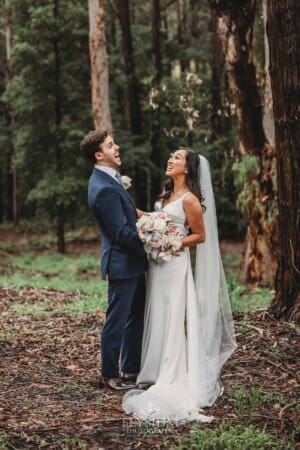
{"x": 213, "y": 342}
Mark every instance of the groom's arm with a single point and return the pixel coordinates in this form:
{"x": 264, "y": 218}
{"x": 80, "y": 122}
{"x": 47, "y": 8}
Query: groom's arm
{"x": 108, "y": 209}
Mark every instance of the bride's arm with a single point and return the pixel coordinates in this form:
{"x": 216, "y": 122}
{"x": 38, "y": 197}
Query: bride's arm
{"x": 194, "y": 215}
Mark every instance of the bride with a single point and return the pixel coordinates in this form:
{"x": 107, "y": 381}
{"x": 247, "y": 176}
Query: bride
{"x": 188, "y": 329}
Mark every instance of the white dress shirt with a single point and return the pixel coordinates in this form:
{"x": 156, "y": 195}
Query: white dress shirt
{"x": 109, "y": 170}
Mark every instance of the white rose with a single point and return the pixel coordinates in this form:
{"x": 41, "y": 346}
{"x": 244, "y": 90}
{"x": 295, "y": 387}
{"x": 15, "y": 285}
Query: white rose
{"x": 144, "y": 222}
{"x": 126, "y": 181}
{"x": 175, "y": 242}
{"x": 160, "y": 225}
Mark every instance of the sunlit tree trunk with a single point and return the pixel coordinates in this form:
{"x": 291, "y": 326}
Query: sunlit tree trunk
{"x": 268, "y": 116}
{"x": 235, "y": 21}
{"x": 283, "y": 34}
{"x": 99, "y": 66}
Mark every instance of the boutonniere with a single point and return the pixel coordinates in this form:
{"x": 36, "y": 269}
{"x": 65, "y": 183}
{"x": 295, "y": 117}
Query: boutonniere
{"x": 126, "y": 181}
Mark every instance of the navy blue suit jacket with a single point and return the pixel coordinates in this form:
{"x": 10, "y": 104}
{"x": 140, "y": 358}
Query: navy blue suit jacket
{"x": 122, "y": 253}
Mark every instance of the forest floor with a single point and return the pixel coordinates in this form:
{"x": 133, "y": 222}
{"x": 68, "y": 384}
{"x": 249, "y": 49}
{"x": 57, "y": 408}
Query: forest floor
{"x": 49, "y": 363}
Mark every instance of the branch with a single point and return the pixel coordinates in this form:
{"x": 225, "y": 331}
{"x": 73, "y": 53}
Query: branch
{"x": 286, "y": 407}
{"x": 293, "y": 258}
{"x": 259, "y": 330}
{"x": 114, "y": 8}
{"x": 280, "y": 367}
{"x": 167, "y": 5}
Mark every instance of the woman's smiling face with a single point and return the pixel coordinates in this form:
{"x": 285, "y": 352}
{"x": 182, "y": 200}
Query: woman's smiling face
{"x": 176, "y": 163}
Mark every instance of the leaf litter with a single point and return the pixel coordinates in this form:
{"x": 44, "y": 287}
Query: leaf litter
{"x": 49, "y": 367}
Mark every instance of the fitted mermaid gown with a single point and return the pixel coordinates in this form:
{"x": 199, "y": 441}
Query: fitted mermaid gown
{"x": 173, "y": 362}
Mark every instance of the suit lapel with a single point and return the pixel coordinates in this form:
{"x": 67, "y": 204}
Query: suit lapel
{"x": 116, "y": 185}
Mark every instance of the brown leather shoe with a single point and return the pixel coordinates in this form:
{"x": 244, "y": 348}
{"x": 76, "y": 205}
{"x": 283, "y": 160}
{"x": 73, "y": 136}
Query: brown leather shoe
{"x": 115, "y": 384}
{"x": 129, "y": 376}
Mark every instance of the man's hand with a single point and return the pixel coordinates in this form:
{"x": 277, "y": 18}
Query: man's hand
{"x": 139, "y": 212}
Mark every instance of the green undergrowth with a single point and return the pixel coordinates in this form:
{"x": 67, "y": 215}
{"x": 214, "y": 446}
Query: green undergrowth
{"x": 54, "y": 271}
{"x": 80, "y": 274}
{"x": 242, "y": 300}
{"x": 232, "y": 437}
{"x": 4, "y": 444}
{"x": 247, "y": 402}
{"x": 31, "y": 237}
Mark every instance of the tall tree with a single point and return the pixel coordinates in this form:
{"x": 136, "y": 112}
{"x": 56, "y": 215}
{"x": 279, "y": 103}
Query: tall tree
{"x": 60, "y": 214}
{"x": 283, "y": 34}
{"x": 235, "y": 21}
{"x": 8, "y": 32}
{"x": 133, "y": 88}
{"x": 268, "y": 115}
{"x": 155, "y": 38}
{"x": 217, "y": 72}
{"x": 49, "y": 94}
{"x": 155, "y": 125}
{"x": 99, "y": 66}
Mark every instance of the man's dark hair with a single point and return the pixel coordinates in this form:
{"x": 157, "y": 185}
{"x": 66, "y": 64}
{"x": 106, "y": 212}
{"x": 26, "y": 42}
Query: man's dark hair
{"x": 91, "y": 144}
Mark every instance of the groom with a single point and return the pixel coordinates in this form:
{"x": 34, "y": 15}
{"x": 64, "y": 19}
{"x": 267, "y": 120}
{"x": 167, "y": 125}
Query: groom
{"x": 123, "y": 262}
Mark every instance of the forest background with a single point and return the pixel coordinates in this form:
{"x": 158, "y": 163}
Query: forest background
{"x": 219, "y": 76}
{"x": 160, "y": 74}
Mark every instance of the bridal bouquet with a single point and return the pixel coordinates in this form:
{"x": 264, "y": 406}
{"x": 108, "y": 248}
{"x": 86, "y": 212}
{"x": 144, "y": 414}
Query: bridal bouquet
{"x": 160, "y": 237}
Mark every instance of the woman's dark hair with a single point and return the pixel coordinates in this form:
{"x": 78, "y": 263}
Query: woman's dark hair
{"x": 192, "y": 177}
{"x": 91, "y": 143}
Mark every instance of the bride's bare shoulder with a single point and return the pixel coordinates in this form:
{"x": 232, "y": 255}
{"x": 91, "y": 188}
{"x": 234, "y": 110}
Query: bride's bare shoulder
{"x": 191, "y": 202}
{"x": 189, "y": 198}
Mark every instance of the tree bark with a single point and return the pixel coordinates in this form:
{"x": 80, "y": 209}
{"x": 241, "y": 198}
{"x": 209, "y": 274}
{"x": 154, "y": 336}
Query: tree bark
{"x": 283, "y": 34}
{"x": 235, "y": 21}
{"x": 155, "y": 128}
{"x": 99, "y": 66}
{"x": 60, "y": 223}
{"x": 133, "y": 89}
{"x": 268, "y": 115}
{"x": 217, "y": 72}
{"x": 155, "y": 38}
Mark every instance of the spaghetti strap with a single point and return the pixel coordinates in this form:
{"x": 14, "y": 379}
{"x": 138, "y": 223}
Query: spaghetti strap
{"x": 184, "y": 195}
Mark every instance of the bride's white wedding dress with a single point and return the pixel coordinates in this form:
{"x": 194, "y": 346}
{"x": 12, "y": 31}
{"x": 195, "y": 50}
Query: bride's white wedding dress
{"x": 185, "y": 341}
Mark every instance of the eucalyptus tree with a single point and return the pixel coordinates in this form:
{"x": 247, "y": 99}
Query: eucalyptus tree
{"x": 99, "y": 66}
{"x": 283, "y": 35}
{"x": 234, "y": 25}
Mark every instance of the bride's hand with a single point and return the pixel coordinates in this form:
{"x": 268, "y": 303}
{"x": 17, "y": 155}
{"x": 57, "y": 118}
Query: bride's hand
{"x": 179, "y": 251}
{"x": 139, "y": 212}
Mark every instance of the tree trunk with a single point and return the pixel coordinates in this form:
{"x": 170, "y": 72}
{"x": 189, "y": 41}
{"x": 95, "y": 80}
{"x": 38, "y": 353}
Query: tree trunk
{"x": 60, "y": 225}
{"x": 8, "y": 76}
{"x": 283, "y": 35}
{"x": 235, "y": 21}
{"x": 155, "y": 129}
{"x": 155, "y": 35}
{"x": 268, "y": 116}
{"x": 99, "y": 66}
{"x": 133, "y": 89}
{"x": 217, "y": 72}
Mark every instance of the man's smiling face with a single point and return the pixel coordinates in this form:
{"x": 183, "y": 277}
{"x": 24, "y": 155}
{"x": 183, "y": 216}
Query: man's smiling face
{"x": 108, "y": 154}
